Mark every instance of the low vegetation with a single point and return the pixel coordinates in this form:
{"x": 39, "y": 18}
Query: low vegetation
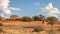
{"x": 1, "y": 30}
{"x": 28, "y": 21}
{"x": 1, "y": 24}
{"x": 38, "y": 29}
{"x": 51, "y": 32}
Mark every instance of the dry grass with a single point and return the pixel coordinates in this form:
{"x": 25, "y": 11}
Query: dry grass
{"x": 16, "y": 27}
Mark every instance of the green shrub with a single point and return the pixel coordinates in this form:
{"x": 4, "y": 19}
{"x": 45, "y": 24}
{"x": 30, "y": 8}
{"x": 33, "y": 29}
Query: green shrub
{"x": 51, "y": 32}
{"x": 38, "y": 29}
{"x": 26, "y": 19}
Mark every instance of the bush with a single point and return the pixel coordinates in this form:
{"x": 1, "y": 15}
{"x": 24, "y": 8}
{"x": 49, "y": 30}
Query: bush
{"x": 1, "y": 30}
{"x": 51, "y": 32}
{"x": 26, "y": 19}
{"x": 59, "y": 29}
{"x": 38, "y": 29}
{"x": 36, "y": 18}
{"x": 1, "y": 24}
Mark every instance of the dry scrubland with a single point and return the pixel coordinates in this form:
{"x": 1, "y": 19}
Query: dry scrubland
{"x": 18, "y": 27}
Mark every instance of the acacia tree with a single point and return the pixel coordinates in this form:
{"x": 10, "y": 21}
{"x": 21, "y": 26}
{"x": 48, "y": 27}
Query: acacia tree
{"x": 15, "y": 17}
{"x": 36, "y": 18}
{"x": 51, "y": 20}
{"x": 26, "y": 18}
{"x": 42, "y": 18}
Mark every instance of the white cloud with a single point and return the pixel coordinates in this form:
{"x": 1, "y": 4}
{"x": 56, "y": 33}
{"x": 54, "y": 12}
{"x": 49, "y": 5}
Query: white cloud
{"x": 2, "y": 15}
{"x": 4, "y": 6}
{"x": 6, "y": 11}
{"x": 52, "y": 11}
{"x": 4, "y": 3}
{"x": 54, "y": 15}
{"x": 11, "y": 8}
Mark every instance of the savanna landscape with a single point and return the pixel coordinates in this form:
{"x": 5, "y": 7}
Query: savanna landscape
{"x": 27, "y": 25}
{"x": 29, "y": 16}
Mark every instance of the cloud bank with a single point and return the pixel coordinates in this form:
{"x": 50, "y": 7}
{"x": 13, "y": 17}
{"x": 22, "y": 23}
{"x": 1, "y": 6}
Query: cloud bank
{"x": 2, "y": 15}
{"x": 4, "y": 7}
{"x": 52, "y": 11}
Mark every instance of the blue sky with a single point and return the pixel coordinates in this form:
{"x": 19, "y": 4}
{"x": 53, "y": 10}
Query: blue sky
{"x": 32, "y": 7}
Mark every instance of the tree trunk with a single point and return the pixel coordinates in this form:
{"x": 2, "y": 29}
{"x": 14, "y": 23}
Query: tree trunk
{"x": 43, "y": 22}
{"x": 51, "y": 27}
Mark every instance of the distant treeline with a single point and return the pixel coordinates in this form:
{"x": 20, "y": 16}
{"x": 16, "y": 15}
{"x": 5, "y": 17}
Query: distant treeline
{"x": 27, "y": 18}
